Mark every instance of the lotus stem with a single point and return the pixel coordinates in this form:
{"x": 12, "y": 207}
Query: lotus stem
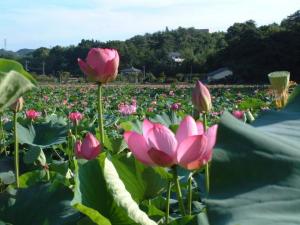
{"x": 178, "y": 190}
{"x": 75, "y": 129}
{"x": 100, "y": 113}
{"x": 2, "y": 136}
{"x": 190, "y": 195}
{"x": 168, "y": 202}
{"x": 207, "y": 182}
{"x": 16, "y": 150}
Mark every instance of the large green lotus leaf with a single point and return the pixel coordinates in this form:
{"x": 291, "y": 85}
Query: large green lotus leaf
{"x": 42, "y": 135}
{"x": 141, "y": 181}
{"x": 255, "y": 172}
{"x": 40, "y": 204}
{"x": 12, "y": 86}
{"x": 7, "y": 65}
{"x": 102, "y": 196}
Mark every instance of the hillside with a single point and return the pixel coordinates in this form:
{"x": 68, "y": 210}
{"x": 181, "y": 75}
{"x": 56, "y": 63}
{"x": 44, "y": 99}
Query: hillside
{"x": 250, "y": 51}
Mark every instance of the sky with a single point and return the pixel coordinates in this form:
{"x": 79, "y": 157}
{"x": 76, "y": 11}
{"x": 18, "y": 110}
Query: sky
{"x": 37, "y": 23}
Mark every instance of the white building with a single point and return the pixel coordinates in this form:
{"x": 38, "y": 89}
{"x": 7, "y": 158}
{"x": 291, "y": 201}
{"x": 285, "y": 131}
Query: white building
{"x": 219, "y": 74}
{"x": 176, "y": 57}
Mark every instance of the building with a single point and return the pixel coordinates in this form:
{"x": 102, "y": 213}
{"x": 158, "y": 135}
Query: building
{"x": 219, "y": 74}
{"x": 131, "y": 70}
{"x": 176, "y": 57}
{"x": 132, "y": 74}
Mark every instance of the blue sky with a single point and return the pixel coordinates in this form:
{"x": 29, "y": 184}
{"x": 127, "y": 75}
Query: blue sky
{"x": 36, "y": 23}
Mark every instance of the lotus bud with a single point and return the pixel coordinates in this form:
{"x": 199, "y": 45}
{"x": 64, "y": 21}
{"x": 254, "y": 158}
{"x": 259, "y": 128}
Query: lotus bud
{"x": 89, "y": 148}
{"x": 17, "y": 106}
{"x": 101, "y": 64}
{"x": 240, "y": 115}
{"x": 201, "y": 98}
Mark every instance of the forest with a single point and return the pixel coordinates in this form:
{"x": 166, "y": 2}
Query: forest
{"x": 250, "y": 51}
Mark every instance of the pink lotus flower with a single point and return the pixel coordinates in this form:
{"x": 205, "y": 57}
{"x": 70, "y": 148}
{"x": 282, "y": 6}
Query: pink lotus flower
{"x": 126, "y": 109}
{"x": 201, "y": 98}
{"x": 32, "y": 114}
{"x": 191, "y": 147}
{"x": 75, "y": 117}
{"x": 101, "y": 64}
{"x": 89, "y": 149}
{"x": 175, "y": 106}
{"x": 239, "y": 114}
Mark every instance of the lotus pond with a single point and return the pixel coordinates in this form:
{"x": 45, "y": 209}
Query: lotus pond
{"x": 252, "y": 178}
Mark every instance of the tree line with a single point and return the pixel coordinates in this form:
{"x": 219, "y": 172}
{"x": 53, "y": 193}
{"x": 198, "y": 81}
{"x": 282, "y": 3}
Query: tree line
{"x": 251, "y": 52}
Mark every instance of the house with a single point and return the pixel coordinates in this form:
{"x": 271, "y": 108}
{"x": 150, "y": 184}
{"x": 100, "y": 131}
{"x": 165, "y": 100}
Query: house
{"x": 131, "y": 70}
{"x": 176, "y": 57}
{"x": 219, "y": 74}
{"x": 131, "y": 73}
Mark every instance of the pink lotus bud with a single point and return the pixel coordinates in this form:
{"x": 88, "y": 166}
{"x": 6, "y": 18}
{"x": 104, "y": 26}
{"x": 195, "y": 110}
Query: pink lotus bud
{"x": 201, "y": 98}
{"x": 75, "y": 117}
{"x": 32, "y": 114}
{"x": 101, "y": 64}
{"x": 239, "y": 114}
{"x": 17, "y": 106}
{"x": 175, "y": 106}
{"x": 89, "y": 149}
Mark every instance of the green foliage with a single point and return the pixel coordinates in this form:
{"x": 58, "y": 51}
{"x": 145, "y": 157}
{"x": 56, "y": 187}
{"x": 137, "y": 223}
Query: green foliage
{"x": 42, "y": 204}
{"x": 255, "y": 174}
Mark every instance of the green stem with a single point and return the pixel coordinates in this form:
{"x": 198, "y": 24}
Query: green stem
{"x": 190, "y": 195}
{"x": 168, "y": 202}
{"x": 178, "y": 190}
{"x": 75, "y": 128}
{"x": 207, "y": 182}
{"x": 100, "y": 113}
{"x": 16, "y": 150}
{"x": 204, "y": 116}
{"x": 2, "y": 137}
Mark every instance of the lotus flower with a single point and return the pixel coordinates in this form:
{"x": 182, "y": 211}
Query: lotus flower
{"x": 32, "y": 114}
{"x": 89, "y": 149}
{"x": 75, "y": 117}
{"x": 101, "y": 64}
{"x": 191, "y": 147}
{"x": 201, "y": 98}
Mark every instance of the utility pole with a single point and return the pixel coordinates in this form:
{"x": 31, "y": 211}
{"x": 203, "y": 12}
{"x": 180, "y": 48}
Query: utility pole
{"x": 26, "y": 65}
{"x": 191, "y": 73}
{"x": 43, "y": 68}
{"x": 5, "y": 43}
{"x": 144, "y": 71}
